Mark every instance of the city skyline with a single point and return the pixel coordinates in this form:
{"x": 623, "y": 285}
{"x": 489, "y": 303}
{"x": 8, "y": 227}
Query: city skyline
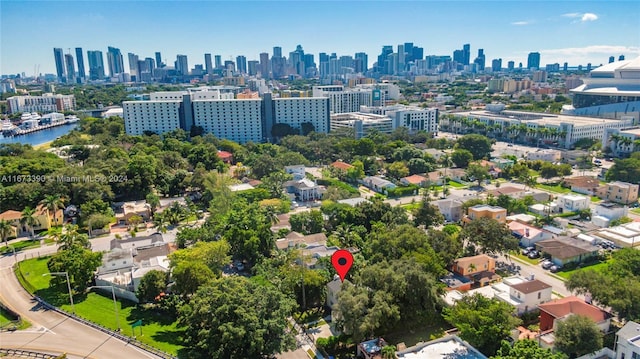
{"x": 591, "y": 31}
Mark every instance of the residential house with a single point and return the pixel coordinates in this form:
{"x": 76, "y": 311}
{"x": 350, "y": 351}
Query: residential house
{"x": 516, "y": 192}
{"x": 447, "y": 347}
{"x": 626, "y": 235}
{"x": 572, "y": 203}
{"x": 492, "y": 168}
{"x": 298, "y": 171}
{"x": 377, "y": 184}
{"x": 522, "y": 218}
{"x": 240, "y": 187}
{"x": 226, "y": 157}
{"x": 333, "y": 288}
{"x": 314, "y": 251}
{"x": 502, "y": 163}
{"x": 627, "y": 345}
{"x": 585, "y": 185}
{"x": 529, "y": 294}
{"x": 304, "y": 189}
{"x": 415, "y": 180}
{"x": 341, "y": 166}
{"x": 610, "y": 211}
{"x": 44, "y": 221}
{"x": 528, "y": 235}
{"x": 436, "y": 178}
{"x": 450, "y": 208}
{"x": 456, "y": 174}
{"x": 544, "y": 209}
{"x": 283, "y": 223}
{"x": 480, "y": 269}
{"x": 621, "y": 192}
{"x": 486, "y": 211}
{"x": 546, "y": 155}
{"x": 297, "y": 240}
{"x": 564, "y": 250}
{"x": 124, "y": 211}
{"x": 353, "y": 201}
{"x": 435, "y": 153}
{"x": 561, "y": 309}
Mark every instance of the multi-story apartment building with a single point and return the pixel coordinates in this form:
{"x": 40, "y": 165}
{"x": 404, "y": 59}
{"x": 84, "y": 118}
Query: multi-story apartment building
{"x": 361, "y": 123}
{"x": 621, "y": 192}
{"x": 46, "y": 103}
{"x": 344, "y": 100}
{"x": 240, "y": 120}
{"x": 413, "y": 117}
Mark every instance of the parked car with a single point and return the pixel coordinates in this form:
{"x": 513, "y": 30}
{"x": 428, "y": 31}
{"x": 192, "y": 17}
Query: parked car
{"x": 554, "y": 269}
{"x": 547, "y": 264}
{"x": 533, "y": 255}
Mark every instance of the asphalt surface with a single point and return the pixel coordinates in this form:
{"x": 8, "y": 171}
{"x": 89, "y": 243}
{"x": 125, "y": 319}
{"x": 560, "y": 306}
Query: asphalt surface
{"x": 52, "y": 332}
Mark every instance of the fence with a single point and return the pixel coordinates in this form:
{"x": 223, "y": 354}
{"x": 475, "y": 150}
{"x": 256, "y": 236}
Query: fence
{"x": 29, "y": 354}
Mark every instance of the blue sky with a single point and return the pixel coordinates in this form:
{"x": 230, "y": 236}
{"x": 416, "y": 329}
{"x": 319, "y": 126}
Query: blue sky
{"x": 573, "y": 31}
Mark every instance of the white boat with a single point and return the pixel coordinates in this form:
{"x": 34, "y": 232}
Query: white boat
{"x": 7, "y": 128}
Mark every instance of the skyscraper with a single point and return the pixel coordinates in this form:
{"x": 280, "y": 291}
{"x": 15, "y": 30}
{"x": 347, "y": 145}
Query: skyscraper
{"x": 480, "y": 60}
{"x": 466, "y": 49}
{"x": 59, "y": 58}
{"x": 208, "y": 65}
{"x": 80, "y": 59}
{"x": 612, "y": 59}
{"x": 533, "y": 60}
{"x": 182, "y": 66}
{"x": 115, "y": 61}
{"x": 621, "y": 58}
{"x": 96, "y": 65}
{"x": 159, "y": 60}
{"x": 277, "y": 51}
{"x": 511, "y": 65}
{"x": 241, "y": 64}
{"x": 218, "y": 60}
{"x": 134, "y": 70}
{"x": 70, "y": 67}
{"x": 264, "y": 65}
{"x": 362, "y": 62}
{"x": 252, "y": 67}
{"x": 383, "y": 58}
{"x": 496, "y": 65}
{"x": 401, "y": 58}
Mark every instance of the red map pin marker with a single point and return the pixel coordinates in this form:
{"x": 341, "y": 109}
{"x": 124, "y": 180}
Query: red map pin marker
{"x": 342, "y": 261}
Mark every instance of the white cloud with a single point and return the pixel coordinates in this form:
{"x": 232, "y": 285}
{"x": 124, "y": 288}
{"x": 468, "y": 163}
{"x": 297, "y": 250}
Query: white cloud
{"x": 521, "y": 23}
{"x": 583, "y": 16}
{"x": 596, "y": 54}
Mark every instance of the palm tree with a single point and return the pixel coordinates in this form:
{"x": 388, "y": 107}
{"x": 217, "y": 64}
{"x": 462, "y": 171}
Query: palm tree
{"x": 52, "y": 203}
{"x": 5, "y": 230}
{"x": 29, "y": 219}
{"x": 54, "y": 233}
{"x": 160, "y": 222}
{"x": 135, "y": 220}
{"x": 388, "y": 352}
{"x": 71, "y": 237}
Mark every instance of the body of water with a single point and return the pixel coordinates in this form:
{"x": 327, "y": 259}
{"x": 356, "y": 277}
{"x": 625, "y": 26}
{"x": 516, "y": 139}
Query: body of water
{"x": 40, "y": 137}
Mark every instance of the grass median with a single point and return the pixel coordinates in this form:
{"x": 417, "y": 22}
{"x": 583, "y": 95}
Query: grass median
{"x": 158, "y": 331}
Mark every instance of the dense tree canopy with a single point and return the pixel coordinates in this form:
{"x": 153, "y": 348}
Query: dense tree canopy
{"x": 577, "y": 335}
{"x": 233, "y": 317}
{"x": 526, "y": 349}
{"x": 478, "y": 145}
{"x": 490, "y": 235}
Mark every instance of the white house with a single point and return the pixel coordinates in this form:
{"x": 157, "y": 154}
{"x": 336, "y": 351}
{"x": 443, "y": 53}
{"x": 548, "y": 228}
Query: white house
{"x": 627, "y": 344}
{"x": 450, "y": 208}
{"x": 297, "y": 171}
{"x": 572, "y": 203}
{"x": 610, "y": 211}
{"x": 528, "y": 235}
{"x": 543, "y": 209}
{"x": 528, "y": 293}
{"x": 377, "y": 184}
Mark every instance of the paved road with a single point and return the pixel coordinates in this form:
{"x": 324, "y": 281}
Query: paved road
{"x": 51, "y": 331}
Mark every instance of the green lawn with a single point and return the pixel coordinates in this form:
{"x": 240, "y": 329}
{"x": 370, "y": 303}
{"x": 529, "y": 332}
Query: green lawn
{"x": 158, "y": 330}
{"x": 410, "y": 206}
{"x": 5, "y": 317}
{"x": 596, "y": 267}
{"x": 556, "y": 188}
{"x": 19, "y": 246}
{"x": 524, "y": 258}
{"x": 411, "y": 334}
{"x": 595, "y": 199}
{"x": 456, "y": 184}
{"x": 636, "y": 211}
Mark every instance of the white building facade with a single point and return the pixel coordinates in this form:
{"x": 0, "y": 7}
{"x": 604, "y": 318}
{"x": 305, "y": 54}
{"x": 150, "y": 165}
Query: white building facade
{"x": 412, "y": 117}
{"x": 236, "y": 120}
{"x": 45, "y": 103}
{"x": 296, "y": 111}
{"x": 157, "y": 116}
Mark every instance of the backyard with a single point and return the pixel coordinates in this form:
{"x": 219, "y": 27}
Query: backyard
{"x": 157, "y": 330}
{"x": 597, "y": 266}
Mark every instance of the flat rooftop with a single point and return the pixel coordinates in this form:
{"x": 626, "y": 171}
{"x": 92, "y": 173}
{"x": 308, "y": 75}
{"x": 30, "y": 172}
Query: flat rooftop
{"x": 540, "y": 119}
{"x": 632, "y": 131}
{"x": 443, "y": 348}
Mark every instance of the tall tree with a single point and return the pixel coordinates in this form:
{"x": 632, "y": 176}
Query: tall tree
{"x": 478, "y": 173}
{"x": 5, "y": 231}
{"x": 72, "y": 238}
{"x": 483, "y": 322}
{"x": 525, "y": 349}
{"x": 427, "y": 214}
{"x": 478, "y": 145}
{"x": 233, "y": 317}
{"x": 577, "y": 335}
{"x": 79, "y": 262}
{"x": 151, "y": 285}
{"x": 461, "y": 158}
{"x": 189, "y": 276}
{"x": 491, "y": 235}
{"x": 52, "y": 203}
{"x": 29, "y": 218}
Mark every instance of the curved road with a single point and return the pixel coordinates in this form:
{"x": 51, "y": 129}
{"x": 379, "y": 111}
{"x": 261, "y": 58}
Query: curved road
{"x": 52, "y": 332}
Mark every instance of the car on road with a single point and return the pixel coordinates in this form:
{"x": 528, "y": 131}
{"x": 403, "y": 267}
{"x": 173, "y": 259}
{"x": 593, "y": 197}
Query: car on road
{"x": 547, "y": 264}
{"x": 510, "y": 145}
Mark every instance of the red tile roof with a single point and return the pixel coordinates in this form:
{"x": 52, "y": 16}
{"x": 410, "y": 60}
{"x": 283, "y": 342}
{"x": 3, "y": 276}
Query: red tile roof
{"x": 415, "y": 179}
{"x": 225, "y": 155}
{"x": 341, "y": 165}
{"x": 573, "y": 305}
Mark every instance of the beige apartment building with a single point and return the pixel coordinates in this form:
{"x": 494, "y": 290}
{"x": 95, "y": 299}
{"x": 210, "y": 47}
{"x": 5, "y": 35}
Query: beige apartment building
{"x": 621, "y": 192}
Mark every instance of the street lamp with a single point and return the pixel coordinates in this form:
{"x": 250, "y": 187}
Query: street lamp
{"x": 115, "y": 303}
{"x": 66, "y": 274}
